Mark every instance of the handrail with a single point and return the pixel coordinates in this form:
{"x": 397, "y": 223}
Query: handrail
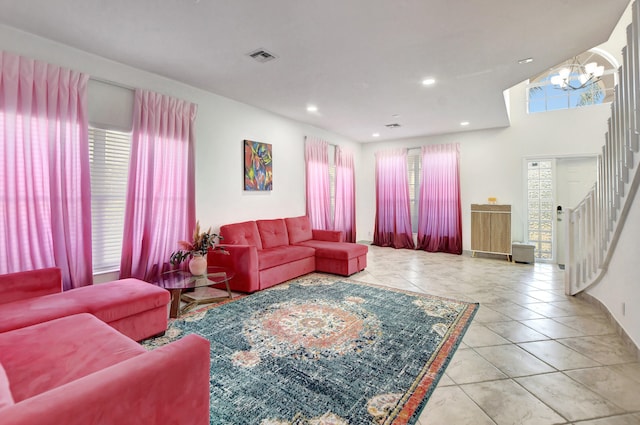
{"x": 595, "y": 224}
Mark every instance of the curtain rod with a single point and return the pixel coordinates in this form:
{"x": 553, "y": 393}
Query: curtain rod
{"x": 131, "y": 88}
{"x": 328, "y": 144}
{"x": 112, "y": 83}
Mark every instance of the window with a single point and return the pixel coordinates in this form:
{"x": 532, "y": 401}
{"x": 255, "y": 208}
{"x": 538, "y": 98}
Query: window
{"x": 542, "y": 95}
{"x": 332, "y": 182}
{"x": 540, "y": 207}
{"x": 414, "y": 167}
{"x": 109, "y": 163}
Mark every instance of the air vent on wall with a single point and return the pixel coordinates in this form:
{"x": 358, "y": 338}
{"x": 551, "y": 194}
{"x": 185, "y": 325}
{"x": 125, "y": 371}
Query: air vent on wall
{"x": 262, "y": 55}
{"x": 394, "y": 125}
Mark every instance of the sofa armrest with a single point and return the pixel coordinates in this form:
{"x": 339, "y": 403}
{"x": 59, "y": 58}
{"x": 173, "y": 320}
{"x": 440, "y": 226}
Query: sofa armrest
{"x": 328, "y": 235}
{"x": 30, "y": 284}
{"x": 169, "y": 385}
{"x": 243, "y": 260}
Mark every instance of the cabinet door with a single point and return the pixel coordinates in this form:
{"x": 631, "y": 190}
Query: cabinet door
{"x": 501, "y": 232}
{"x": 480, "y": 231}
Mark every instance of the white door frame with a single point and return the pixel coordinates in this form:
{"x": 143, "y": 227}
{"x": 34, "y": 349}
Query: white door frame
{"x": 554, "y": 226}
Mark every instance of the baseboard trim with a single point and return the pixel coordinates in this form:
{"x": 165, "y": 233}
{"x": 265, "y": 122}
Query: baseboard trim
{"x": 619, "y": 330}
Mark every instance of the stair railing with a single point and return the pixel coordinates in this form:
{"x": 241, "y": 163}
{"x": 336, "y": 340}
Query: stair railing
{"x": 594, "y": 225}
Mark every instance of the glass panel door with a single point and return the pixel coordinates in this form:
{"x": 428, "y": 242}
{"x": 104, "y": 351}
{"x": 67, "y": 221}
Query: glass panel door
{"x": 540, "y": 212}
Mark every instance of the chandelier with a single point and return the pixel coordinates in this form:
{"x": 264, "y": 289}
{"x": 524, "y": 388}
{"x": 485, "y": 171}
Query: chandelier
{"x": 577, "y": 76}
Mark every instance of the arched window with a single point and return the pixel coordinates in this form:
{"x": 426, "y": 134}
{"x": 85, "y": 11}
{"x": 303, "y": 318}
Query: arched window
{"x": 586, "y": 79}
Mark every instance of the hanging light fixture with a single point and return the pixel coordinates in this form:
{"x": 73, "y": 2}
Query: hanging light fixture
{"x": 577, "y": 76}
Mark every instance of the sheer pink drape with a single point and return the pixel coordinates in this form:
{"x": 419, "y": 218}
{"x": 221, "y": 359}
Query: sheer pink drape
{"x": 345, "y": 204}
{"x": 317, "y": 180}
{"x": 393, "y": 217}
{"x": 44, "y": 175}
{"x": 440, "y": 216}
{"x": 161, "y": 188}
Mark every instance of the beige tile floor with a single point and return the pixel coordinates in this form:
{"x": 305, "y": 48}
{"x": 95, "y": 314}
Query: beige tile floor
{"x": 531, "y": 356}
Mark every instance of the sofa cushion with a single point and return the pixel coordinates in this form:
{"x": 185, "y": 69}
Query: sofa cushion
{"x": 280, "y": 256}
{"x": 121, "y": 298}
{"x": 50, "y": 354}
{"x": 273, "y": 233}
{"x": 245, "y": 233}
{"x": 299, "y": 229}
{"x": 108, "y": 301}
{"x": 6, "y": 399}
{"x": 30, "y": 284}
{"x": 327, "y": 235}
{"x": 32, "y": 311}
{"x": 336, "y": 250}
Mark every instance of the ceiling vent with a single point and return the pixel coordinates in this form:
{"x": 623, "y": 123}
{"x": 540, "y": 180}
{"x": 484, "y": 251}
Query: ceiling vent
{"x": 394, "y": 125}
{"x": 262, "y": 55}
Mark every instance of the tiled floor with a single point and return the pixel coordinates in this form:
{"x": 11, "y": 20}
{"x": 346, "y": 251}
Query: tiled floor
{"x": 531, "y": 356}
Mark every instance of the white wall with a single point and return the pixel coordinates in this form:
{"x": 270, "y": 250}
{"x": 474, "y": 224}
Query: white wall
{"x": 491, "y": 161}
{"x": 620, "y": 284}
{"x": 221, "y": 126}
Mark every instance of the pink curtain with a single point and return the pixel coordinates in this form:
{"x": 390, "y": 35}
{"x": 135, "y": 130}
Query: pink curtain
{"x": 440, "y": 216}
{"x": 393, "y": 217}
{"x": 161, "y": 188}
{"x": 345, "y": 204}
{"x": 44, "y": 176}
{"x": 318, "y": 193}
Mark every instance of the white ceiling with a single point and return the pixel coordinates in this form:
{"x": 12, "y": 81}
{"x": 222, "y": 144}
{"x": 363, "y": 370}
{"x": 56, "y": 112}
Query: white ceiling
{"x": 359, "y": 61}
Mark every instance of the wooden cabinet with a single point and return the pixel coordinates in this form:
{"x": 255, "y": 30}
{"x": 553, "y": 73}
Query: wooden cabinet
{"x": 491, "y": 229}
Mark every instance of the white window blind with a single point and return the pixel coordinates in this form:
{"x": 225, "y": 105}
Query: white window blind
{"x": 109, "y": 162}
{"x": 332, "y": 182}
{"x": 414, "y": 167}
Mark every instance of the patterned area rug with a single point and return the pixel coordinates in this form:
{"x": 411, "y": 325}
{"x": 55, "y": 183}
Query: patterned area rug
{"x": 321, "y": 350}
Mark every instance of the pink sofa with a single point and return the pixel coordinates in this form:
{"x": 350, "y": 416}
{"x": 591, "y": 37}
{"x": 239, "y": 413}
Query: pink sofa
{"x": 264, "y": 253}
{"x": 77, "y": 370}
{"x": 135, "y": 308}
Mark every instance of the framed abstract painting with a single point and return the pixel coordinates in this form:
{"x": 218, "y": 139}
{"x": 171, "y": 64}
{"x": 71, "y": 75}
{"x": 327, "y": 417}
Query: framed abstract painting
{"x": 258, "y": 166}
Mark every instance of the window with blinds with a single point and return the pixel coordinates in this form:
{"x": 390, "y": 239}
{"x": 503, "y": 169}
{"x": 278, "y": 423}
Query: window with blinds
{"x": 109, "y": 163}
{"x": 414, "y": 166}
{"x": 332, "y": 182}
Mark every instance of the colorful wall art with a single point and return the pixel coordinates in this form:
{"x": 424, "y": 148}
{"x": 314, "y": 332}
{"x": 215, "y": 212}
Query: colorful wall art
{"x": 258, "y": 171}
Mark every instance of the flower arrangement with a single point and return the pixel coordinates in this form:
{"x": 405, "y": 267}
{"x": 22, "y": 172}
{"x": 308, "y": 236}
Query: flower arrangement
{"x": 202, "y": 241}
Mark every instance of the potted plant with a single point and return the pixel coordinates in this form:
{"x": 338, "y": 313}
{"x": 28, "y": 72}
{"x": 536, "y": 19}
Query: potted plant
{"x": 196, "y": 250}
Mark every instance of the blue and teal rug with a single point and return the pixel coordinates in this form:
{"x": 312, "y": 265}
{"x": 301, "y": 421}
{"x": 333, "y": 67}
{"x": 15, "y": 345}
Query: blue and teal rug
{"x": 322, "y": 350}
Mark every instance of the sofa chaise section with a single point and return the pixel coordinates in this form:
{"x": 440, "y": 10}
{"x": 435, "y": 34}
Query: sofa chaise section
{"x": 78, "y": 370}
{"x": 332, "y": 254}
{"x": 135, "y": 308}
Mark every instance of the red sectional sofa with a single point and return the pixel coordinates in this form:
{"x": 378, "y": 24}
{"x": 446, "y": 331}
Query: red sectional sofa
{"x": 264, "y": 253}
{"x": 77, "y": 370}
{"x": 135, "y": 308}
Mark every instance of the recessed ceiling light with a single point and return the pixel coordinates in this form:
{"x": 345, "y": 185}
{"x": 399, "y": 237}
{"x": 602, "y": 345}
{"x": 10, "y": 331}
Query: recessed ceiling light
{"x": 428, "y": 82}
{"x": 523, "y": 61}
{"x": 395, "y": 115}
{"x": 376, "y": 135}
{"x": 464, "y": 123}
{"x": 312, "y": 108}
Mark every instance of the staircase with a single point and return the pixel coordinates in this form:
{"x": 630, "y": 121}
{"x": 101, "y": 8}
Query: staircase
{"x": 594, "y": 226}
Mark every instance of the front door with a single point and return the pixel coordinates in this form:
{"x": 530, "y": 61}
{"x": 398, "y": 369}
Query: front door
{"x": 574, "y": 179}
